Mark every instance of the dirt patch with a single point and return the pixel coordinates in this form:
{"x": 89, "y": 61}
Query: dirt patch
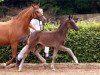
{"x": 61, "y": 69}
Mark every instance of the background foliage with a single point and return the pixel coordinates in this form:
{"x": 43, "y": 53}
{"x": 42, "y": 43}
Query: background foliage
{"x": 58, "y": 6}
{"x": 85, "y": 43}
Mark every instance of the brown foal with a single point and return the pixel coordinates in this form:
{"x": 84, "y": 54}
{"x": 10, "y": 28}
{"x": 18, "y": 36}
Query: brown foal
{"x": 54, "y": 39}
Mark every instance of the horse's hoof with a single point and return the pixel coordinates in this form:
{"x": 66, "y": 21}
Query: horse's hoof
{"x": 4, "y": 65}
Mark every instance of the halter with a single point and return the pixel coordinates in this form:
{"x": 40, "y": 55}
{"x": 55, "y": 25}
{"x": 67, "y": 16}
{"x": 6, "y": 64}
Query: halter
{"x": 38, "y": 17}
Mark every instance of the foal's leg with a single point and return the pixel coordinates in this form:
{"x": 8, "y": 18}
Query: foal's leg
{"x": 38, "y": 55}
{"x": 62, "y": 48}
{"x": 14, "y": 53}
{"x": 54, "y": 58}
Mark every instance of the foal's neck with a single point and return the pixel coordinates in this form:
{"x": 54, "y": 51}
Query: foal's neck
{"x": 63, "y": 29}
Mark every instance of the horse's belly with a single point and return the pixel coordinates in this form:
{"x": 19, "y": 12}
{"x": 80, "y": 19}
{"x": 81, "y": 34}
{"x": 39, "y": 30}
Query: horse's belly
{"x": 4, "y": 41}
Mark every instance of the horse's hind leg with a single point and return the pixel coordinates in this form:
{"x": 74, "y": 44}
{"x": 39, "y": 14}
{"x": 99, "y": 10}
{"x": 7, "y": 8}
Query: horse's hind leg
{"x": 14, "y": 53}
{"x": 54, "y": 58}
{"x": 62, "y": 48}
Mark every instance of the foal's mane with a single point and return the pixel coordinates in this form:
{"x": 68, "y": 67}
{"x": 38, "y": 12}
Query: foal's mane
{"x": 62, "y": 24}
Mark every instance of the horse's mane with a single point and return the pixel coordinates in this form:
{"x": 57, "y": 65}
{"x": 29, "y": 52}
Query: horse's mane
{"x": 23, "y": 11}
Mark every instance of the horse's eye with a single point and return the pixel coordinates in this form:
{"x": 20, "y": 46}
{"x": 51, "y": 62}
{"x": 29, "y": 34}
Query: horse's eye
{"x": 37, "y": 11}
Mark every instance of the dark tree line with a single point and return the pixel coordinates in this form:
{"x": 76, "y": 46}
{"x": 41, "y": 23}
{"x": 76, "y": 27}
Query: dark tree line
{"x": 59, "y": 6}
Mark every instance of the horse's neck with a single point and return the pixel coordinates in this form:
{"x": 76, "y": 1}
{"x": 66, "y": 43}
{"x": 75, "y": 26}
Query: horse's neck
{"x": 24, "y": 19}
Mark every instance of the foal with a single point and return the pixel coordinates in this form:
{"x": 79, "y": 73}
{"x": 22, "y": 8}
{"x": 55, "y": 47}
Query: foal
{"x": 53, "y": 39}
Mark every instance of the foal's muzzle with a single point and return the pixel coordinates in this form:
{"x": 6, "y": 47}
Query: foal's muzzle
{"x": 76, "y": 29}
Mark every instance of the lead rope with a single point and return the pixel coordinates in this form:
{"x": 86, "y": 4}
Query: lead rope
{"x": 40, "y": 25}
{"x": 41, "y": 28}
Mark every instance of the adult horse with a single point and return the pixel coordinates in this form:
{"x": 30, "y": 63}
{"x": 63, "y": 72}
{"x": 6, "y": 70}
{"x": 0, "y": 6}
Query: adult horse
{"x": 12, "y": 31}
{"x": 54, "y": 39}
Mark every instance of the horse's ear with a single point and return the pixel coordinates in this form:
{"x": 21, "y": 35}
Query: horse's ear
{"x": 35, "y": 5}
{"x": 38, "y": 4}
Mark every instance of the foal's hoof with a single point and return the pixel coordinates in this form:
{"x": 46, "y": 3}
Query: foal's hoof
{"x": 19, "y": 70}
{"x": 52, "y": 67}
{"x": 45, "y": 65}
{"x": 76, "y": 62}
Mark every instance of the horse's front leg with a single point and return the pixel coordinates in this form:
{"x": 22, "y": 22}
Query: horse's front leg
{"x": 14, "y": 53}
{"x": 64, "y": 49}
{"x": 54, "y": 58}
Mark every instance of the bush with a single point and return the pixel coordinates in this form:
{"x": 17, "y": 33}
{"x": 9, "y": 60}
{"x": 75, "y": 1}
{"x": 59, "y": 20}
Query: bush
{"x": 85, "y": 44}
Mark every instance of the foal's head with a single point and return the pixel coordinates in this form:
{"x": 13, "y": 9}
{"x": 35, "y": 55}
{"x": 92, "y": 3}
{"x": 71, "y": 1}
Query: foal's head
{"x": 71, "y": 23}
{"x": 38, "y": 12}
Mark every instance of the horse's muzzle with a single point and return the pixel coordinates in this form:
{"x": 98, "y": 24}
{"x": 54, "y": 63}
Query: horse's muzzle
{"x": 43, "y": 18}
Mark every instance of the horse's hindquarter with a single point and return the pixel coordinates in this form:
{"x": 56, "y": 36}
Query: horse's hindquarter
{"x": 4, "y": 33}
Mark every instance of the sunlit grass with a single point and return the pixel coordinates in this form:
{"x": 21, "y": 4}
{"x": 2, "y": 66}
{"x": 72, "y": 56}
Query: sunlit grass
{"x": 81, "y": 24}
{"x": 88, "y": 24}
{"x": 50, "y": 26}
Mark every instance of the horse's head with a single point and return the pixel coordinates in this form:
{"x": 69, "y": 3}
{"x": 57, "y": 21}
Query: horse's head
{"x": 38, "y": 12}
{"x": 72, "y": 24}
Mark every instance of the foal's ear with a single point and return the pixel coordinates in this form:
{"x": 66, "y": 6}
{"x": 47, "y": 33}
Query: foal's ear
{"x": 70, "y": 17}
